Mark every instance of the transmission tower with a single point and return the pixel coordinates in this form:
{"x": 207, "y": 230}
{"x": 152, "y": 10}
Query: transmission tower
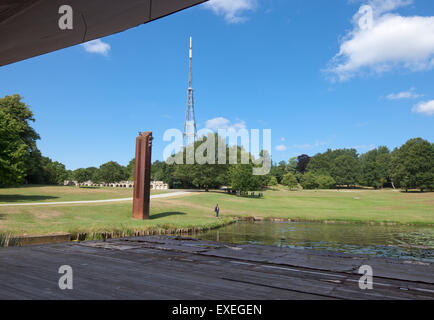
{"x": 190, "y": 123}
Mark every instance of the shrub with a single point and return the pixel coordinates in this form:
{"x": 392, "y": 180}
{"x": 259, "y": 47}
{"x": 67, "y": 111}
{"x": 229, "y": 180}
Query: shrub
{"x": 308, "y": 181}
{"x": 273, "y": 181}
{"x": 325, "y": 182}
{"x": 290, "y": 181}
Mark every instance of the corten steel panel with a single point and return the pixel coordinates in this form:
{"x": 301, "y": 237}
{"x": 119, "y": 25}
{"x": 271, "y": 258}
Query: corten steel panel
{"x": 142, "y": 176}
{"x": 30, "y": 27}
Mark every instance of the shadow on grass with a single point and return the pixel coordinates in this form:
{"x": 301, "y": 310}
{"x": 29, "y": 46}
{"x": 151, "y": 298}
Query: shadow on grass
{"x": 25, "y": 198}
{"x": 416, "y": 191}
{"x": 255, "y": 196}
{"x": 247, "y": 196}
{"x": 165, "y": 214}
{"x": 34, "y": 186}
{"x": 353, "y": 188}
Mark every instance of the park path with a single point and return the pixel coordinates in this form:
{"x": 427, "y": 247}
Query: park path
{"x": 155, "y": 196}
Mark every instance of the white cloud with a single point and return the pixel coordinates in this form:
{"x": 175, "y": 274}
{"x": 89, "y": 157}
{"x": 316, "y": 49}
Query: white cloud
{"x": 426, "y": 108}
{"x": 381, "y": 6}
{"x": 223, "y": 123}
{"x": 231, "y": 10}
{"x": 364, "y": 147}
{"x": 410, "y": 94}
{"x": 281, "y": 147}
{"x": 97, "y": 46}
{"x": 381, "y": 41}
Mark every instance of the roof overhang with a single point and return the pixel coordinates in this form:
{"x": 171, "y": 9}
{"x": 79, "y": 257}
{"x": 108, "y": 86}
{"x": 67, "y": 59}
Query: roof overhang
{"x": 30, "y": 28}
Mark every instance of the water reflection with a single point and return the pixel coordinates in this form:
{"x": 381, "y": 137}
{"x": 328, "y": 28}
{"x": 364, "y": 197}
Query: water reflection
{"x": 406, "y": 242}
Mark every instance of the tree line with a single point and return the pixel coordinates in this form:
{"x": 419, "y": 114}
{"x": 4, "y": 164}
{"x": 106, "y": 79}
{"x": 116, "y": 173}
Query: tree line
{"x": 21, "y": 162}
{"x": 20, "y": 159}
{"x": 410, "y": 166}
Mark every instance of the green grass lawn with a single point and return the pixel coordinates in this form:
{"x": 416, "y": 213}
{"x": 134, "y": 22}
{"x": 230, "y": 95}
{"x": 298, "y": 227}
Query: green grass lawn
{"x": 197, "y": 210}
{"x": 380, "y": 206}
{"x": 91, "y": 218}
{"x": 100, "y": 218}
{"x": 34, "y": 193}
{"x": 330, "y": 205}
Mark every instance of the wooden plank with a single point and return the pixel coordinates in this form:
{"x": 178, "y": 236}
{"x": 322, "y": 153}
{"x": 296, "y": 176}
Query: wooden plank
{"x": 162, "y": 267}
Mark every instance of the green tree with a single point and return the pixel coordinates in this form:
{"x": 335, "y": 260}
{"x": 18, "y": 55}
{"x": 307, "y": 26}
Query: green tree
{"x": 130, "y": 169}
{"x": 61, "y": 172}
{"x": 81, "y": 175}
{"x": 272, "y": 181}
{"x": 69, "y": 175}
{"x": 112, "y": 172}
{"x": 412, "y": 165}
{"x": 320, "y": 163}
{"x": 242, "y": 178}
{"x": 292, "y": 166}
{"x": 93, "y": 174}
{"x": 302, "y": 163}
{"x": 308, "y": 181}
{"x": 13, "y": 150}
{"x": 161, "y": 171}
{"x": 345, "y": 170}
{"x": 279, "y": 170}
{"x": 54, "y": 172}
{"x": 49, "y": 173}
{"x": 324, "y": 181}
{"x": 18, "y": 150}
{"x": 183, "y": 175}
{"x": 290, "y": 180}
{"x": 383, "y": 164}
{"x": 324, "y": 163}
{"x": 21, "y": 113}
{"x": 35, "y": 168}
{"x": 205, "y": 175}
{"x": 375, "y": 167}
{"x": 265, "y": 157}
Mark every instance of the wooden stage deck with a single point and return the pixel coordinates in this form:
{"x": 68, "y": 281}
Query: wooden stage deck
{"x": 162, "y": 267}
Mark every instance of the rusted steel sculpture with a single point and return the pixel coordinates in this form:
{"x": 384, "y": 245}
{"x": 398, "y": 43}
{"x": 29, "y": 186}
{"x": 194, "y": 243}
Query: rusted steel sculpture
{"x": 142, "y": 176}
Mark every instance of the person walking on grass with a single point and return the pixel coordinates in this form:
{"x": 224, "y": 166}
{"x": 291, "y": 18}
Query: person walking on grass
{"x": 217, "y": 210}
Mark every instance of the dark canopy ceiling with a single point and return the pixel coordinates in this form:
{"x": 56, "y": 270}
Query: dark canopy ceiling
{"x": 30, "y": 27}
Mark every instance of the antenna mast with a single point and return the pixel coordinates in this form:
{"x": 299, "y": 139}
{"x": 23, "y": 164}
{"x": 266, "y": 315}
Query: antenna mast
{"x": 190, "y": 123}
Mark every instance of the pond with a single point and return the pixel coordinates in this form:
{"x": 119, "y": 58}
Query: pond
{"x": 405, "y": 242}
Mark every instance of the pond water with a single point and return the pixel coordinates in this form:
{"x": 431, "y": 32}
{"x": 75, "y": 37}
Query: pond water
{"x": 405, "y": 242}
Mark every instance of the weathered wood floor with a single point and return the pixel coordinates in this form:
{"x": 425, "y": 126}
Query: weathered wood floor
{"x": 181, "y": 268}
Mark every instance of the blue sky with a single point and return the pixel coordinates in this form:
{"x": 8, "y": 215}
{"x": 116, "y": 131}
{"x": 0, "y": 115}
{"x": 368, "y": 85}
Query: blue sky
{"x": 320, "y": 74}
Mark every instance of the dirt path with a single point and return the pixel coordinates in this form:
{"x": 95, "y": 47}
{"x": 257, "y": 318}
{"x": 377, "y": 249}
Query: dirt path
{"x": 156, "y": 196}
